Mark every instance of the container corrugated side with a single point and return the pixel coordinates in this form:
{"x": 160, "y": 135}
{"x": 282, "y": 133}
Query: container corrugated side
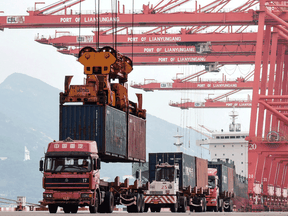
{"x": 103, "y": 124}
{"x": 136, "y": 138}
{"x": 230, "y": 180}
{"x": 115, "y": 132}
{"x": 186, "y": 166}
{"x": 201, "y": 173}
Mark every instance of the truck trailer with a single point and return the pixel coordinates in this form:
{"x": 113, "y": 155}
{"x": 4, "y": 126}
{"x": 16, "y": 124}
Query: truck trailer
{"x": 177, "y": 180}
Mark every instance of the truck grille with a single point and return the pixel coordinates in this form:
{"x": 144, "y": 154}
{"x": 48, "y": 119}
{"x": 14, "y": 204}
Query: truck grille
{"x": 66, "y": 182}
{"x": 156, "y": 192}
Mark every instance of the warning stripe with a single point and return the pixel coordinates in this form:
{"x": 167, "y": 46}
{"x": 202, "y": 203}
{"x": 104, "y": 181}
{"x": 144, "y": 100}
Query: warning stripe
{"x": 160, "y": 199}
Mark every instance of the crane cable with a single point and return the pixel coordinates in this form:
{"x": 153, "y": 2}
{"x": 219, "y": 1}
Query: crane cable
{"x": 79, "y": 38}
{"x": 132, "y": 29}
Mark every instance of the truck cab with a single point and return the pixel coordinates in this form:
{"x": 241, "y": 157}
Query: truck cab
{"x": 71, "y": 176}
{"x": 213, "y": 197}
{"x": 164, "y": 190}
{"x": 166, "y": 179}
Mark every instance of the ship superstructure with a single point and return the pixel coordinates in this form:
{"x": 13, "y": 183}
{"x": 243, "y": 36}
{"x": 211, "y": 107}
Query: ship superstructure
{"x": 229, "y": 145}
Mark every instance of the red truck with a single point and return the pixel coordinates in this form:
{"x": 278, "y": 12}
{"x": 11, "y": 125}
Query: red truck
{"x": 221, "y": 185}
{"x": 72, "y": 179}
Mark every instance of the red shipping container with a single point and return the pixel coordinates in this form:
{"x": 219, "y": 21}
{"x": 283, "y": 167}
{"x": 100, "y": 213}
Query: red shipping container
{"x": 201, "y": 173}
{"x": 230, "y": 180}
{"x": 136, "y": 138}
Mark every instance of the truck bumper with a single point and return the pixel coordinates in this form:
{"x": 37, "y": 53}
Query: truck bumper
{"x": 61, "y": 198}
{"x": 160, "y": 199}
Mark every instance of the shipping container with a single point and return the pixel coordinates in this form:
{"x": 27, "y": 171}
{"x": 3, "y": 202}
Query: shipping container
{"x": 108, "y": 127}
{"x": 201, "y": 173}
{"x": 187, "y": 167}
{"x": 222, "y": 173}
{"x": 136, "y": 138}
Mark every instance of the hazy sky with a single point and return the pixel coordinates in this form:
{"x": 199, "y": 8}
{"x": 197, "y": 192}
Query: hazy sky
{"x": 20, "y": 53}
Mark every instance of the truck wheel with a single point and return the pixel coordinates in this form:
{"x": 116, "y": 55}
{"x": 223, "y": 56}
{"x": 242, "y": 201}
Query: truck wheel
{"x": 183, "y": 209}
{"x": 93, "y": 209}
{"x": 221, "y": 209}
{"x": 204, "y": 205}
{"x": 66, "y": 209}
{"x": 142, "y": 203}
{"x": 158, "y": 209}
{"x": 74, "y": 209}
{"x": 153, "y": 209}
{"x": 109, "y": 202}
{"x": 215, "y": 209}
{"x": 52, "y": 208}
{"x": 191, "y": 208}
{"x": 146, "y": 208}
{"x": 174, "y": 207}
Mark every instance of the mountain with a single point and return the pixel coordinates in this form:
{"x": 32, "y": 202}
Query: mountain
{"x": 29, "y": 117}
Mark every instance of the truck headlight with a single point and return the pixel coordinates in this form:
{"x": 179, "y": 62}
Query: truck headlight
{"x": 83, "y": 195}
{"x": 48, "y": 195}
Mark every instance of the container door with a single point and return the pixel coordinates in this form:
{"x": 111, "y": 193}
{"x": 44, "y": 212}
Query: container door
{"x": 188, "y": 171}
{"x": 116, "y": 132}
{"x": 136, "y": 138}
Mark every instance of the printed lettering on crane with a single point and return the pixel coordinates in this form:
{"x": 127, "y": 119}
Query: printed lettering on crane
{"x": 165, "y": 85}
{"x": 64, "y": 145}
{"x": 80, "y": 146}
{"x": 56, "y": 145}
{"x": 15, "y": 19}
{"x": 72, "y": 145}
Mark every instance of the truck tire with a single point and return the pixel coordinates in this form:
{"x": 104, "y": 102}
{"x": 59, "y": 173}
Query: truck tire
{"x": 74, "y": 209}
{"x": 94, "y": 209}
{"x": 146, "y": 208}
{"x": 183, "y": 206}
{"x": 153, "y": 209}
{"x": 158, "y": 209}
{"x": 191, "y": 208}
{"x": 142, "y": 203}
{"x": 109, "y": 202}
{"x": 52, "y": 208}
{"x": 138, "y": 207}
{"x": 174, "y": 207}
{"x": 66, "y": 209}
{"x": 204, "y": 207}
{"x": 215, "y": 209}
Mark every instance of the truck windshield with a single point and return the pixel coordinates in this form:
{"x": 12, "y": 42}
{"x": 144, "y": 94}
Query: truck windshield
{"x": 67, "y": 164}
{"x": 211, "y": 182}
{"x": 165, "y": 173}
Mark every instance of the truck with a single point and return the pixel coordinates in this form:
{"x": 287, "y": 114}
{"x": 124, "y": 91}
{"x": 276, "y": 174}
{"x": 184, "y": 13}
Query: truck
{"x": 71, "y": 179}
{"x": 177, "y": 181}
{"x": 221, "y": 184}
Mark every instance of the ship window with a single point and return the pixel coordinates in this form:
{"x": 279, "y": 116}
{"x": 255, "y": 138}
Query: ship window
{"x": 241, "y": 153}
{"x": 232, "y": 154}
{"x": 232, "y": 137}
{"x": 241, "y": 162}
{"x": 237, "y": 137}
{"x": 215, "y": 146}
{"x": 223, "y": 154}
{"x": 226, "y": 137}
{"x": 232, "y": 145}
{"x": 241, "y": 145}
{"x": 242, "y": 170}
{"x": 243, "y": 137}
{"x": 217, "y": 137}
{"x": 215, "y": 154}
{"x": 222, "y": 137}
{"x": 223, "y": 145}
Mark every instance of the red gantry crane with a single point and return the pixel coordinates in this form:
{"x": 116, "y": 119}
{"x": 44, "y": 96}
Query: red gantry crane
{"x": 269, "y": 113}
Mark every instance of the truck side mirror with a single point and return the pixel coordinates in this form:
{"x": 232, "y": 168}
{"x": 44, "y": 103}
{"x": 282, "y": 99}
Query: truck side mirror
{"x": 178, "y": 173}
{"x": 137, "y": 174}
{"x": 98, "y": 163}
{"x": 41, "y": 166}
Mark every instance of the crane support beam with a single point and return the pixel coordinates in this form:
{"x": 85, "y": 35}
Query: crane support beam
{"x": 212, "y": 104}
